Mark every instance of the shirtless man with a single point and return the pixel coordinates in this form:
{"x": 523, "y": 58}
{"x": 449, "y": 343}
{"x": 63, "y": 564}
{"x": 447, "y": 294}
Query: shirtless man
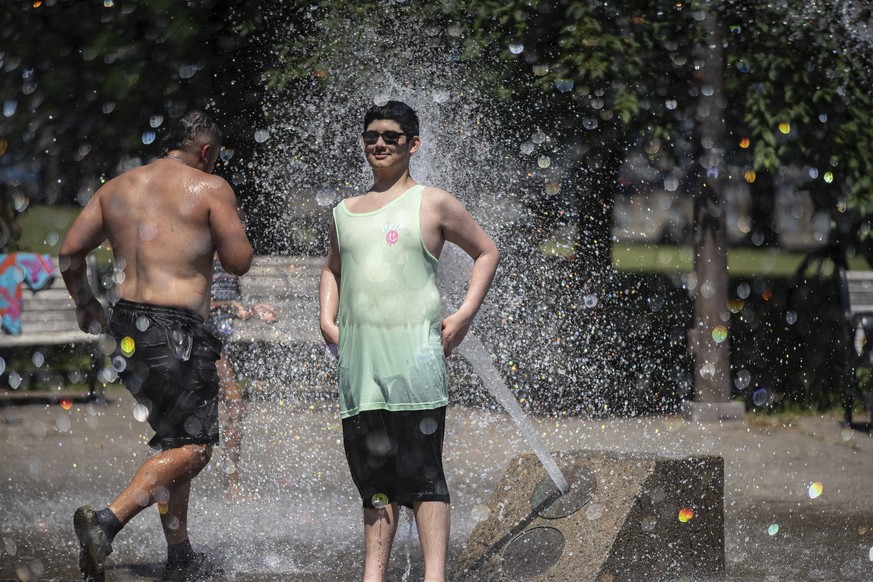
{"x": 164, "y": 221}
{"x": 380, "y": 304}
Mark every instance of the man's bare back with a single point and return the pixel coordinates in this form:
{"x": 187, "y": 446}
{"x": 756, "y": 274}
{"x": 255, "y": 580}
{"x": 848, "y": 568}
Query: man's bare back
{"x": 160, "y": 220}
{"x": 164, "y": 221}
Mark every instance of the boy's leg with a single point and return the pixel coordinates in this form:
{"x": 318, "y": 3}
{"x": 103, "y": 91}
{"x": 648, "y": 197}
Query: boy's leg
{"x": 433, "y": 520}
{"x": 380, "y": 525}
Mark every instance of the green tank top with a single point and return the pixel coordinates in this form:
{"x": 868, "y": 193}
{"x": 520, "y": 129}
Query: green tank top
{"x": 390, "y": 350}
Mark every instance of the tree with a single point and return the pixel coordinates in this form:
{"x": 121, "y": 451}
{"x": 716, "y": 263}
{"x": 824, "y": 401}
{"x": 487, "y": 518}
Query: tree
{"x": 87, "y": 86}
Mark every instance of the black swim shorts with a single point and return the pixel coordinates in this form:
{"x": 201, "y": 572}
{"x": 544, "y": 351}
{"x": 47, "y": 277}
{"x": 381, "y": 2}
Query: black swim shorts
{"x": 166, "y": 358}
{"x": 397, "y": 456}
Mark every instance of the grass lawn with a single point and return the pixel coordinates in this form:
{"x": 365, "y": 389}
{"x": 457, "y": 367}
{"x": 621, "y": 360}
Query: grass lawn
{"x": 770, "y": 262}
{"x": 44, "y": 226}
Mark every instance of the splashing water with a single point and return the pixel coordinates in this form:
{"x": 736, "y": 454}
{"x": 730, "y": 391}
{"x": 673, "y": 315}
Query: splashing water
{"x": 473, "y": 350}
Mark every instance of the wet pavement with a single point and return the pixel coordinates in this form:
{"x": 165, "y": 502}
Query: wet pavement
{"x": 301, "y": 519}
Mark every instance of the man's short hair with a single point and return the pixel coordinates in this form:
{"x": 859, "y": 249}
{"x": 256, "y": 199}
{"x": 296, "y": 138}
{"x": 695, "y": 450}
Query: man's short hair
{"x": 395, "y": 111}
{"x": 192, "y": 128}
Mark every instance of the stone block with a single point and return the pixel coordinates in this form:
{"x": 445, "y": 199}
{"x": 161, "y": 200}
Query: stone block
{"x": 627, "y": 517}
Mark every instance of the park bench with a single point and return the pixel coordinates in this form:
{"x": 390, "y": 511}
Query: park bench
{"x": 43, "y": 358}
{"x": 288, "y": 353}
{"x": 856, "y": 298}
{"x": 287, "y": 356}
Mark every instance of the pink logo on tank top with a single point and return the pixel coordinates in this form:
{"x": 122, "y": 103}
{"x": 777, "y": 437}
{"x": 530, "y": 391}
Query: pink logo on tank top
{"x": 391, "y": 237}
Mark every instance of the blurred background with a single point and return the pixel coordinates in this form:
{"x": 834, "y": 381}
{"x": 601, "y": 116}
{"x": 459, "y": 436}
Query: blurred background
{"x": 611, "y": 149}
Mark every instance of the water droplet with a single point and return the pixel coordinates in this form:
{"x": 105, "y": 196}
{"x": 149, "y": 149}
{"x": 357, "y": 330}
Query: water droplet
{"x": 148, "y": 137}
{"x": 142, "y": 323}
{"x": 63, "y": 423}
{"x": 141, "y": 412}
{"x": 161, "y": 494}
{"x": 541, "y": 70}
{"x": 761, "y": 397}
{"x": 590, "y": 300}
{"x": 441, "y": 96}
{"x": 38, "y": 359}
{"x": 10, "y": 546}
{"x": 544, "y": 162}
{"x": 261, "y": 135}
{"x": 594, "y": 512}
{"x": 686, "y": 514}
{"x": 119, "y": 363}
{"x": 107, "y": 344}
{"x": 742, "y": 379}
{"x": 773, "y": 529}
{"x": 553, "y": 188}
{"x": 515, "y": 48}
{"x": 564, "y": 85}
{"x": 480, "y": 512}
{"x": 648, "y": 523}
{"x": 325, "y": 197}
{"x": 193, "y": 426}
{"x": 128, "y": 346}
{"x": 187, "y": 71}
{"x": 815, "y": 490}
{"x": 428, "y": 426}
{"x": 226, "y": 154}
{"x": 719, "y": 334}
{"x": 380, "y": 500}
{"x": 526, "y": 148}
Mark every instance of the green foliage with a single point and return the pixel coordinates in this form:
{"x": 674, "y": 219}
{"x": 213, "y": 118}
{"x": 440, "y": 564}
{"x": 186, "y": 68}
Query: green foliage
{"x": 800, "y": 92}
{"x": 85, "y": 84}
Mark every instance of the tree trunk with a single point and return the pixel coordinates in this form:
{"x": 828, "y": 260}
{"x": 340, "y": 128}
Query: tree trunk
{"x": 709, "y": 343}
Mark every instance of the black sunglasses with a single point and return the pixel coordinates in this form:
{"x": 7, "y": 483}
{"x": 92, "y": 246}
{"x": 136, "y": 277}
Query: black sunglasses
{"x": 389, "y": 137}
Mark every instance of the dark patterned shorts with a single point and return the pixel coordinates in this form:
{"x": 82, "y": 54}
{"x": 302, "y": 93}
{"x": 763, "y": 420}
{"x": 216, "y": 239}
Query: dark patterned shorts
{"x": 397, "y": 456}
{"x": 166, "y": 358}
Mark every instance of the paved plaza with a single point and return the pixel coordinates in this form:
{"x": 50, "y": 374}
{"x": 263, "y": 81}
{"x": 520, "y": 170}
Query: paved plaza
{"x": 301, "y": 518}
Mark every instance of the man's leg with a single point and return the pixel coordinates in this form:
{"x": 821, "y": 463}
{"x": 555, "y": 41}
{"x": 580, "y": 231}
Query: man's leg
{"x": 183, "y": 563}
{"x": 169, "y": 469}
{"x": 161, "y": 476}
{"x": 380, "y": 525}
{"x": 433, "y": 520}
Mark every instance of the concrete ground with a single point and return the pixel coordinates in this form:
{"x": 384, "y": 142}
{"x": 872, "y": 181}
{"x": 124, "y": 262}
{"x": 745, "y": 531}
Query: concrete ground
{"x": 301, "y": 517}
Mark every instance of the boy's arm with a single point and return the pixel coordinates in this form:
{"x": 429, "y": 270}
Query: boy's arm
{"x": 328, "y": 291}
{"x": 460, "y": 228}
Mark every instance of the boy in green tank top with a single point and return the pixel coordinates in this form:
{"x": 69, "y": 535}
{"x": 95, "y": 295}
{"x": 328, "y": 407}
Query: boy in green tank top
{"x": 381, "y": 313}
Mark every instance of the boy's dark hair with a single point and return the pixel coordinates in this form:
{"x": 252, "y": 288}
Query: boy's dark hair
{"x": 194, "y": 126}
{"x": 397, "y": 111}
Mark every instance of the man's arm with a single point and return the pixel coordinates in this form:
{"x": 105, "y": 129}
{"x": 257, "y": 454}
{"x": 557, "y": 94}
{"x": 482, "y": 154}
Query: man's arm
{"x": 328, "y": 291}
{"x": 228, "y": 233}
{"x": 460, "y": 228}
{"x": 85, "y": 235}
